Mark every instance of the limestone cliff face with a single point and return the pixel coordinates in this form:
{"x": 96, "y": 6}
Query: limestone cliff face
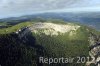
{"x": 94, "y": 49}
{"x": 54, "y": 29}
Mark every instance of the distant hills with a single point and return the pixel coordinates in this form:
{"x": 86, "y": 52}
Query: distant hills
{"x": 90, "y": 19}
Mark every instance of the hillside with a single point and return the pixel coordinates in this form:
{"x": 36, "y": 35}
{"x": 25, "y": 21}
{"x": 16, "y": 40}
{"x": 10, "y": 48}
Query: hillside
{"x": 24, "y": 43}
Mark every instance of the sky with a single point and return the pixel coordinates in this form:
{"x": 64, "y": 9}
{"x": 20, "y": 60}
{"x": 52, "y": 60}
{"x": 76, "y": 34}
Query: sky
{"x": 10, "y": 8}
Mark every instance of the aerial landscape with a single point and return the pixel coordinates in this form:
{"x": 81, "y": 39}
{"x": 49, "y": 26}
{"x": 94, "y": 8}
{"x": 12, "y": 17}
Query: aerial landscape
{"x": 50, "y": 33}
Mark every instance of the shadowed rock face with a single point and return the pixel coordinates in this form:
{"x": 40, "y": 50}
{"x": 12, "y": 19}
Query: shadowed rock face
{"x": 13, "y": 50}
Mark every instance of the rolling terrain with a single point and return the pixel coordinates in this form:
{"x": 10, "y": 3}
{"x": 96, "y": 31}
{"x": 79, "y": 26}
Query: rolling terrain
{"x": 22, "y": 44}
{"x": 91, "y": 19}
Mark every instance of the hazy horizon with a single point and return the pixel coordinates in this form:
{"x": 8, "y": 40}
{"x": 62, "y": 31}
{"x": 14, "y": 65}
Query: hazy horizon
{"x": 10, "y": 8}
